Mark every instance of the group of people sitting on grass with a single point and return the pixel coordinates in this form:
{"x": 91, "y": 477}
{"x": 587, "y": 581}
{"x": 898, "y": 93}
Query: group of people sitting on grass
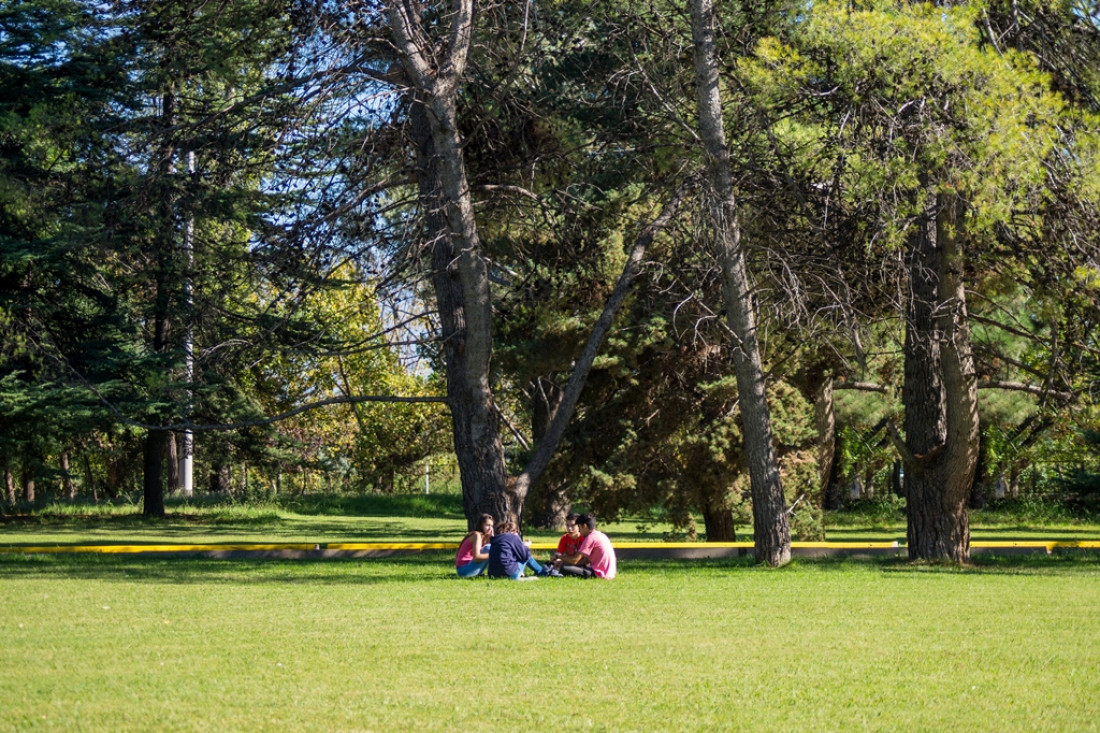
{"x": 500, "y": 552}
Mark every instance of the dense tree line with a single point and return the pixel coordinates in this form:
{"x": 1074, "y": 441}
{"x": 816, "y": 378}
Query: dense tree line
{"x": 720, "y": 258}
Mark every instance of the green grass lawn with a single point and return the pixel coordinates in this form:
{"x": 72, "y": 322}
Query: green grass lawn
{"x": 139, "y": 643}
{"x": 419, "y": 518}
{"x": 370, "y": 518}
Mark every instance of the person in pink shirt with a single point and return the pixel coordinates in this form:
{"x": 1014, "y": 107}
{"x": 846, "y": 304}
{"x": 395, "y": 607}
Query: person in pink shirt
{"x": 473, "y": 551}
{"x": 595, "y": 557}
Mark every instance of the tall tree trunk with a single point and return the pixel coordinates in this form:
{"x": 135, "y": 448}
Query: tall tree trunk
{"x": 156, "y": 440}
{"x": 460, "y": 274}
{"x": 171, "y": 448}
{"x": 219, "y": 479}
{"x": 89, "y": 476}
{"x": 825, "y": 422}
{"x": 940, "y": 393}
{"x": 771, "y": 523}
{"x": 67, "y": 483}
{"x": 28, "y": 486}
{"x": 458, "y": 279}
{"x": 9, "y": 484}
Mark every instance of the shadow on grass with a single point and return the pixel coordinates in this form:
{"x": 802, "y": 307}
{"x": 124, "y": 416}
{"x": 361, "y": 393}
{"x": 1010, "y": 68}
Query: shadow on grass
{"x": 179, "y": 527}
{"x": 427, "y": 566}
{"x": 323, "y": 532}
{"x": 1061, "y": 562}
{"x": 435, "y": 566}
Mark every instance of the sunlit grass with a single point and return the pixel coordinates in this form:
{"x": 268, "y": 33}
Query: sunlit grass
{"x": 120, "y": 644}
{"x": 320, "y": 519}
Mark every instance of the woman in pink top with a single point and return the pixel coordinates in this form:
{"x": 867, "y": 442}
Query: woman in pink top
{"x": 473, "y": 551}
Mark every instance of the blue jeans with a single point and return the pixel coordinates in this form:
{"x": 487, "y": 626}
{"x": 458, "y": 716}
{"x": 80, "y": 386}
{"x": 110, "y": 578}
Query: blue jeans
{"x": 472, "y": 568}
{"x": 531, "y": 563}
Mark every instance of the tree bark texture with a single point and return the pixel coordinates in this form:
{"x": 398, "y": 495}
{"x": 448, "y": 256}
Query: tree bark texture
{"x": 771, "y": 523}
{"x": 156, "y": 441}
{"x": 825, "y": 422}
{"x": 460, "y": 275}
{"x": 940, "y": 393}
{"x": 172, "y": 452}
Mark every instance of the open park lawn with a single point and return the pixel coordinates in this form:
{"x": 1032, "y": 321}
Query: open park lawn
{"x": 143, "y": 643}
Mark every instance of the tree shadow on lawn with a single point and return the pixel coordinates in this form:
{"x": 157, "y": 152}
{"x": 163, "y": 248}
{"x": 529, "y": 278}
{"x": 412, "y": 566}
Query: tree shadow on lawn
{"x": 137, "y": 530}
{"x": 433, "y": 566}
{"x": 1063, "y": 561}
{"x": 426, "y": 566}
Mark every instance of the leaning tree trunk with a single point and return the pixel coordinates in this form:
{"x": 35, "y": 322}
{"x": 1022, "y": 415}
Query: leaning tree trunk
{"x": 460, "y": 274}
{"x": 771, "y": 523}
{"x": 940, "y": 393}
{"x": 551, "y": 500}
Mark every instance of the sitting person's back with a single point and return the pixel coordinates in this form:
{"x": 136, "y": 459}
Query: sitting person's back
{"x": 508, "y": 555}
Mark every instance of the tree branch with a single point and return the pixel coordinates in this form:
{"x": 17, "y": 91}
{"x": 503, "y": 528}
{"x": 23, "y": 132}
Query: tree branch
{"x": 1034, "y": 389}
{"x": 577, "y": 379}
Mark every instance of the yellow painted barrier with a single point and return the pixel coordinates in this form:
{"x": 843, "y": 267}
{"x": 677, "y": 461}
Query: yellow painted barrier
{"x": 1047, "y": 545}
{"x": 417, "y": 546}
{"x": 138, "y": 549}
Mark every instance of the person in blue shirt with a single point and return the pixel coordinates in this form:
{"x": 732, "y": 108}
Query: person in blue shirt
{"x": 508, "y": 555}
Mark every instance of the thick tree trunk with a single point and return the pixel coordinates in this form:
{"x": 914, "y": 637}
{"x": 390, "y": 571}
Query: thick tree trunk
{"x": 940, "y": 392}
{"x": 28, "y": 486}
{"x": 459, "y": 273}
{"x": 461, "y": 283}
{"x": 156, "y": 443}
{"x": 9, "y": 485}
{"x": 156, "y": 440}
{"x": 771, "y": 523}
{"x": 219, "y": 479}
{"x": 718, "y": 520}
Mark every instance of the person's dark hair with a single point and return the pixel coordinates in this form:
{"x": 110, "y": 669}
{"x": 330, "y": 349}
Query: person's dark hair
{"x": 480, "y": 526}
{"x": 572, "y": 517}
{"x": 587, "y": 520}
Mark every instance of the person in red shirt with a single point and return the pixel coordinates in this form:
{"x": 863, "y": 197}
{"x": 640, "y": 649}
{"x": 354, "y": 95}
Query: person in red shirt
{"x": 569, "y": 542}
